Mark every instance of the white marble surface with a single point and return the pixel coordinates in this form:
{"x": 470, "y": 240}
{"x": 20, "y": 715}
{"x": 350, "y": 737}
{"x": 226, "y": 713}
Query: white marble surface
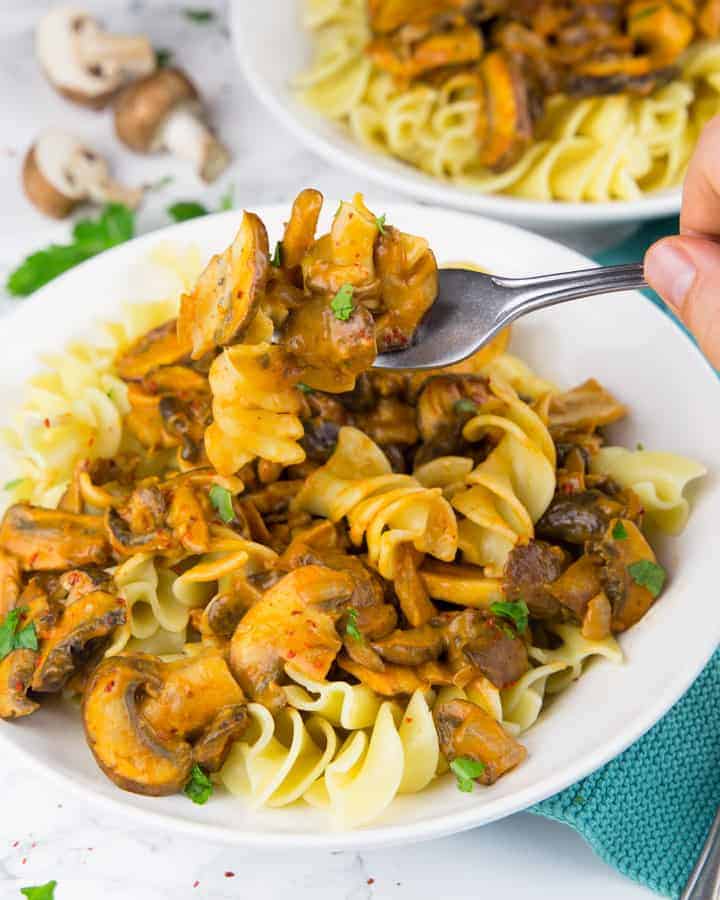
{"x": 48, "y": 833}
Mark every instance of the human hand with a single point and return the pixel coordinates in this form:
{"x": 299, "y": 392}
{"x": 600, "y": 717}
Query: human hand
{"x": 685, "y": 269}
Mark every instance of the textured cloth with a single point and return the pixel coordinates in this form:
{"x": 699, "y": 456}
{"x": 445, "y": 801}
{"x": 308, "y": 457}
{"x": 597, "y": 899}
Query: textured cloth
{"x": 648, "y": 811}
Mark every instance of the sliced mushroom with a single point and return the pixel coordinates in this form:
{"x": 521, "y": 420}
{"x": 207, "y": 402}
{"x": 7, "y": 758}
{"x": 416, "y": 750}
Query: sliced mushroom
{"x": 10, "y": 583}
{"x": 465, "y": 730}
{"x": 392, "y": 681}
{"x": 580, "y": 517}
{"x": 60, "y": 172}
{"x": 82, "y": 625}
{"x": 163, "y": 111}
{"x": 228, "y": 726}
{"x": 529, "y": 571}
{"x": 505, "y": 122}
{"x": 478, "y": 643}
{"x": 577, "y": 585}
{"x": 223, "y": 303}
{"x": 583, "y": 409}
{"x": 156, "y": 348}
{"x": 300, "y": 229}
{"x": 451, "y": 47}
{"x": 46, "y": 539}
{"x": 15, "y": 674}
{"x": 411, "y": 647}
{"x": 85, "y": 63}
{"x": 124, "y": 744}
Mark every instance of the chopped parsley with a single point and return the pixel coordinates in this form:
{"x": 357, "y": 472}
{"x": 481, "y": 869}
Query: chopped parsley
{"x": 380, "y": 222}
{"x": 619, "y": 531}
{"x": 648, "y": 574}
{"x": 12, "y": 637}
{"x": 115, "y": 225}
{"x": 186, "y": 209}
{"x": 277, "y": 255}
{"x": 342, "y": 304}
{"x": 464, "y": 406}
{"x": 11, "y": 485}
{"x": 305, "y": 388}
{"x": 199, "y": 788}
{"x": 221, "y": 499}
{"x": 351, "y": 629}
{"x": 163, "y": 57}
{"x": 466, "y": 770}
{"x": 42, "y": 892}
{"x": 515, "y": 610}
{"x": 200, "y": 16}
{"x": 639, "y": 446}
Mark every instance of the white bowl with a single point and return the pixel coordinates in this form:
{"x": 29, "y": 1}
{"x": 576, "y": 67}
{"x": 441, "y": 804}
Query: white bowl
{"x": 625, "y": 342}
{"x": 272, "y": 47}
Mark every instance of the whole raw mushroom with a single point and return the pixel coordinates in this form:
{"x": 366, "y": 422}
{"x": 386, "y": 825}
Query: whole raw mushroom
{"x": 60, "y": 172}
{"x": 164, "y": 112}
{"x": 85, "y": 63}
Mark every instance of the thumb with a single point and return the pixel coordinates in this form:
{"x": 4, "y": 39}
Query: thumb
{"x": 685, "y": 271}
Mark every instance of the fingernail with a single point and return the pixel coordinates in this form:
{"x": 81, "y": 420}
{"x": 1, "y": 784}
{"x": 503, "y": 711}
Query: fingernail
{"x": 671, "y": 272}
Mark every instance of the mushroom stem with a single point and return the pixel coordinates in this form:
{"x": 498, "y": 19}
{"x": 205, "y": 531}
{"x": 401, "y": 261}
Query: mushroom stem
{"x": 186, "y": 136}
{"x": 132, "y": 54}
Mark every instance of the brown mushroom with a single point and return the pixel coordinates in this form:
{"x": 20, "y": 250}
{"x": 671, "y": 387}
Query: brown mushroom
{"x": 15, "y": 674}
{"x": 82, "y": 625}
{"x": 300, "y": 229}
{"x": 223, "y": 303}
{"x": 10, "y": 583}
{"x": 529, "y": 571}
{"x": 85, "y": 63}
{"x": 158, "y": 347}
{"x": 478, "y": 643}
{"x": 47, "y": 539}
{"x": 60, "y": 172}
{"x": 163, "y": 111}
{"x": 411, "y": 647}
{"x": 124, "y": 744}
{"x": 212, "y": 749}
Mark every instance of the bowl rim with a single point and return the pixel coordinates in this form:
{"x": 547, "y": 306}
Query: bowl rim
{"x": 422, "y": 187}
{"x": 369, "y": 837}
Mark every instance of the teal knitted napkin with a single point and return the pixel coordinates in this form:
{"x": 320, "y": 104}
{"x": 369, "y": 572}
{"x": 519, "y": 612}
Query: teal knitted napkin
{"x": 648, "y": 811}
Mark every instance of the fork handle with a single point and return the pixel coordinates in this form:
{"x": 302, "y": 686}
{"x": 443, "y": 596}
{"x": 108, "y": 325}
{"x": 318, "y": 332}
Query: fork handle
{"x": 528, "y": 294}
{"x": 704, "y": 881}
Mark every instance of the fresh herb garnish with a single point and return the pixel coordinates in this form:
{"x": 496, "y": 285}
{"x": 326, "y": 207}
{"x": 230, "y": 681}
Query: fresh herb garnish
{"x": 515, "y": 610}
{"x": 380, "y": 222}
{"x": 644, "y": 13}
{"x": 42, "y": 892}
{"x": 13, "y": 639}
{"x": 277, "y": 256}
{"x": 464, "y": 406}
{"x": 186, "y": 209}
{"x": 11, "y": 485}
{"x": 221, "y": 499}
{"x": 639, "y": 446}
{"x": 115, "y": 225}
{"x": 619, "y": 531}
{"x": 199, "y": 788}
{"x": 163, "y": 57}
{"x": 342, "y": 304}
{"x": 466, "y": 770}
{"x": 201, "y": 16}
{"x": 351, "y": 629}
{"x": 305, "y": 388}
{"x": 227, "y": 199}
{"x": 648, "y": 574}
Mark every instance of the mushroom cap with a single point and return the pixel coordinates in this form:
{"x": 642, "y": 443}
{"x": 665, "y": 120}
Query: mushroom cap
{"x": 41, "y": 192}
{"x": 15, "y": 673}
{"x": 143, "y": 106}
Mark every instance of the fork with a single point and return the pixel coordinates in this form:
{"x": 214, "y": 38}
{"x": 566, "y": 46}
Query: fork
{"x": 472, "y": 307}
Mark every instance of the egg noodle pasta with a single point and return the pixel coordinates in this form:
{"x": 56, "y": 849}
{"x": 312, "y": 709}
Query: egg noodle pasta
{"x": 584, "y": 149}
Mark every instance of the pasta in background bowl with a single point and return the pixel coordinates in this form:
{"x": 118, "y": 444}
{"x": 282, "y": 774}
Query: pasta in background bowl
{"x": 637, "y": 129}
{"x": 564, "y": 345}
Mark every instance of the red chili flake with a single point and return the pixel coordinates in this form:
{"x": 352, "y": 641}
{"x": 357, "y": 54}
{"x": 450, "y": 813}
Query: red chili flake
{"x": 46, "y": 423}
{"x": 296, "y": 612}
{"x": 371, "y": 881}
{"x": 33, "y": 558}
{"x": 73, "y": 578}
{"x": 291, "y": 654}
{"x": 409, "y": 719}
{"x": 23, "y": 860}
{"x": 91, "y": 442}
{"x": 16, "y": 843}
{"x": 195, "y": 884}
{"x": 109, "y": 686}
{"x": 34, "y": 844}
{"x": 229, "y": 874}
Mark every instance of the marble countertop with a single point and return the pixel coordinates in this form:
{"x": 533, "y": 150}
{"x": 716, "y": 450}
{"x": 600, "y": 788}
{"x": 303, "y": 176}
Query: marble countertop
{"x": 47, "y": 832}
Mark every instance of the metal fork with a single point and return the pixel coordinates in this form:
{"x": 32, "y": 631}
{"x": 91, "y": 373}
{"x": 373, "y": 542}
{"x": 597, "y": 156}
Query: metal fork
{"x": 473, "y": 307}
{"x": 704, "y": 881}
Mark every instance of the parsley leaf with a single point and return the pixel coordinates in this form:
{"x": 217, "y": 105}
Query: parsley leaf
{"x": 12, "y": 639}
{"x": 115, "y": 225}
{"x": 380, "y": 222}
{"x": 305, "y": 388}
{"x": 464, "y": 406}
{"x": 163, "y": 57}
{"x": 648, "y": 574}
{"x": 277, "y": 256}
{"x": 42, "y": 892}
{"x": 351, "y": 629}
{"x": 515, "y": 610}
{"x": 200, "y": 16}
{"x": 619, "y": 531}
{"x": 466, "y": 770}
{"x": 342, "y": 304}
{"x": 221, "y": 499}
{"x": 639, "y": 446}
{"x": 11, "y": 485}
{"x": 186, "y": 209}
{"x": 199, "y": 788}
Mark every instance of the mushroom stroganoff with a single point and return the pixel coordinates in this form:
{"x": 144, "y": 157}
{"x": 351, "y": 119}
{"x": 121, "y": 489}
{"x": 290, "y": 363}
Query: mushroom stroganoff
{"x": 266, "y": 567}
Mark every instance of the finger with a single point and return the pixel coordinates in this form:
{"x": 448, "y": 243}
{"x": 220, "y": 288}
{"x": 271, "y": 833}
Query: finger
{"x": 701, "y": 193}
{"x": 685, "y": 271}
